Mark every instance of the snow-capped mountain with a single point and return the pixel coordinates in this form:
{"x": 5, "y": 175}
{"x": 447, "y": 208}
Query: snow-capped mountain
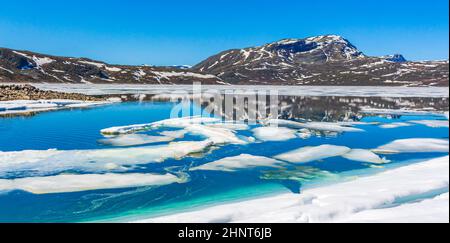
{"x": 319, "y": 60}
{"x": 24, "y": 66}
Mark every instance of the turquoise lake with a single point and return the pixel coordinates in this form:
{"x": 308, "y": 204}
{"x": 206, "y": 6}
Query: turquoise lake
{"x": 79, "y": 129}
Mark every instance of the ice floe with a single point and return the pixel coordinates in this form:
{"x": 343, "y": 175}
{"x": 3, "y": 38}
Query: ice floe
{"x": 135, "y": 139}
{"x": 243, "y": 161}
{"x": 169, "y": 123}
{"x": 50, "y": 161}
{"x": 395, "y": 125}
{"x": 216, "y": 135}
{"x": 364, "y": 155}
{"x": 86, "y": 182}
{"x": 414, "y": 145}
{"x": 318, "y": 126}
{"x": 274, "y": 133}
{"x": 372, "y": 198}
{"x": 432, "y": 123}
{"x": 309, "y": 154}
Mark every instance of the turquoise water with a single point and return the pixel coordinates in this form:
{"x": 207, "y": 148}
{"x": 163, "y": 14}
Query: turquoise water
{"x": 78, "y": 129}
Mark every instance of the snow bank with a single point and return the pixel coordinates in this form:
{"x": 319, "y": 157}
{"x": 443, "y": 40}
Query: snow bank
{"x": 426, "y": 211}
{"x": 48, "y": 161}
{"x": 86, "y": 182}
{"x": 357, "y": 200}
{"x": 274, "y": 133}
{"x": 414, "y": 145}
{"x": 309, "y": 154}
{"x": 24, "y": 106}
{"x": 243, "y": 161}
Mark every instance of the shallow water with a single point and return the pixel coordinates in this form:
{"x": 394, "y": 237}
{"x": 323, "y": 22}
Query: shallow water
{"x": 78, "y": 129}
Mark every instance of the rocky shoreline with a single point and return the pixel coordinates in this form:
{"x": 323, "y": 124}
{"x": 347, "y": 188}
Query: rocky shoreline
{"x": 28, "y": 92}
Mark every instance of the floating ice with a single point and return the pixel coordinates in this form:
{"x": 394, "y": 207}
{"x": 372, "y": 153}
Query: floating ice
{"x": 47, "y": 161}
{"x": 25, "y": 106}
{"x": 364, "y": 155}
{"x": 309, "y": 154}
{"x": 432, "y": 123}
{"x": 86, "y": 182}
{"x": 357, "y": 200}
{"x": 395, "y": 125}
{"x": 243, "y": 161}
{"x": 274, "y": 133}
{"x": 414, "y": 145}
{"x": 216, "y": 135}
{"x": 229, "y": 125}
{"x": 135, "y": 139}
{"x": 172, "y": 123}
{"x": 318, "y": 126}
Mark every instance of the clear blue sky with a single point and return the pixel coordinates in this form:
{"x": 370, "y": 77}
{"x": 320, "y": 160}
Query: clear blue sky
{"x": 185, "y": 32}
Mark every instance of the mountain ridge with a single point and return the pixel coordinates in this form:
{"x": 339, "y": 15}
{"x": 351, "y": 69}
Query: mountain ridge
{"x": 317, "y": 60}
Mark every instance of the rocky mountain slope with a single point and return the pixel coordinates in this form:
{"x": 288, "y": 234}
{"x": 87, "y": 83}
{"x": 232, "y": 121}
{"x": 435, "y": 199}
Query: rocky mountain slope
{"x": 320, "y": 60}
{"x": 25, "y": 66}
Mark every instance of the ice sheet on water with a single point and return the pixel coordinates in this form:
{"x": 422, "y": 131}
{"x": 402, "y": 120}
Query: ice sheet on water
{"x": 347, "y": 201}
{"x": 243, "y": 161}
{"x": 172, "y": 123}
{"x": 414, "y": 145}
{"x": 432, "y": 123}
{"x": 87, "y": 182}
{"x": 274, "y": 133}
{"x": 96, "y": 160}
{"x": 364, "y": 155}
{"x": 309, "y": 154}
{"x": 135, "y": 139}
{"x": 318, "y": 126}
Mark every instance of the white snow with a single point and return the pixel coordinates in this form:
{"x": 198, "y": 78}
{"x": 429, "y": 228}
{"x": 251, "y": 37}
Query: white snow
{"x": 243, "y": 161}
{"x": 365, "y": 199}
{"x": 97, "y": 64}
{"x": 86, "y": 182}
{"x": 25, "y": 106}
{"x": 7, "y": 70}
{"x": 414, "y": 145}
{"x": 339, "y": 91}
{"x": 168, "y": 75}
{"x": 426, "y": 211}
{"x": 309, "y": 154}
{"x": 274, "y": 133}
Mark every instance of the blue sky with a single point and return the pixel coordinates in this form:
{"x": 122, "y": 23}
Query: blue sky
{"x": 185, "y": 32}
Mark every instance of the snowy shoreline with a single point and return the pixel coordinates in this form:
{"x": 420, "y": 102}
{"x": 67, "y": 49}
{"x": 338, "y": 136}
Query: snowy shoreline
{"x": 349, "y": 91}
{"x": 413, "y": 193}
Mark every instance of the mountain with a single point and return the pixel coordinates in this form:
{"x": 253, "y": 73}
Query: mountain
{"x": 319, "y": 60}
{"x": 25, "y": 66}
